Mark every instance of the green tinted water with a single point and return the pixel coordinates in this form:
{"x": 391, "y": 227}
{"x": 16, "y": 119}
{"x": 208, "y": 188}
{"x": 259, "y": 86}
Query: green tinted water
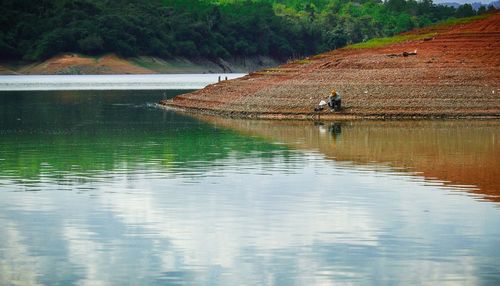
{"x": 105, "y": 188}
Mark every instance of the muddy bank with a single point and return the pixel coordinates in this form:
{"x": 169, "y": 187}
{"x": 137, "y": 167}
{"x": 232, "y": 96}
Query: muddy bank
{"x": 73, "y": 64}
{"x": 455, "y": 73}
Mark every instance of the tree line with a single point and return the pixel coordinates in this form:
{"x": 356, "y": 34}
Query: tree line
{"x": 37, "y": 30}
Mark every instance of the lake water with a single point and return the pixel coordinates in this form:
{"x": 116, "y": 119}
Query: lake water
{"x": 105, "y": 188}
{"x": 111, "y": 82}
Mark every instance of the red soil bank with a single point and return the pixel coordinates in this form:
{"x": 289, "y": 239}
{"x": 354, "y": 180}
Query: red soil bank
{"x": 456, "y": 73}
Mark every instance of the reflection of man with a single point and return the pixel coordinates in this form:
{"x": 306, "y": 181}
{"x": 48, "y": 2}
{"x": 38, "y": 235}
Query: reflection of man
{"x": 335, "y": 129}
{"x": 334, "y": 101}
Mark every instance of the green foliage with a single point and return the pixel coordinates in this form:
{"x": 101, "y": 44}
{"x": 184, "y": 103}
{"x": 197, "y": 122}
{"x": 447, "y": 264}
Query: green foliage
{"x": 91, "y": 44}
{"x": 465, "y": 10}
{"x": 282, "y": 29}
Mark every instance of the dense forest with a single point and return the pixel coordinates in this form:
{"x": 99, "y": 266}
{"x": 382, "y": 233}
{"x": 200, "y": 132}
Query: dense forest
{"x": 36, "y": 30}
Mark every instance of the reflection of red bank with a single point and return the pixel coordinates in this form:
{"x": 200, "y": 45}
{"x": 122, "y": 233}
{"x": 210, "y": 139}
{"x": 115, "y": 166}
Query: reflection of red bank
{"x": 459, "y": 153}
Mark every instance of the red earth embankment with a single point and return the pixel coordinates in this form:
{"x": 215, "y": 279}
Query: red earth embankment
{"x": 77, "y": 64}
{"x": 72, "y": 64}
{"x": 456, "y": 73}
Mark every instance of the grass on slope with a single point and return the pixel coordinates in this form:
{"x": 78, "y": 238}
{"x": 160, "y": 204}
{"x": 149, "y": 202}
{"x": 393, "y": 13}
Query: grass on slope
{"x": 381, "y": 42}
{"x": 456, "y": 21}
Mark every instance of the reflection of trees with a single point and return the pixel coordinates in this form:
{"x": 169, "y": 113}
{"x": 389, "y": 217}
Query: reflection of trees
{"x": 87, "y": 152}
{"x": 84, "y": 133}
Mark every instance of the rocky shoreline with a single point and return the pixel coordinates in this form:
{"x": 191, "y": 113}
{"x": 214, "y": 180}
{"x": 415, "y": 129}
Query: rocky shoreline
{"x": 454, "y": 73}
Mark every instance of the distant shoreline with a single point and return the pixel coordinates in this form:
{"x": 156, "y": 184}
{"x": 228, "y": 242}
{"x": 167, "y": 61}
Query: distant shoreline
{"x": 76, "y": 64}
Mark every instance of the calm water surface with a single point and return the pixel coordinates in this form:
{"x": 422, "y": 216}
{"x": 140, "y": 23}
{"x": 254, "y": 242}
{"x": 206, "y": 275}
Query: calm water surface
{"x": 104, "y": 188}
{"x": 111, "y": 82}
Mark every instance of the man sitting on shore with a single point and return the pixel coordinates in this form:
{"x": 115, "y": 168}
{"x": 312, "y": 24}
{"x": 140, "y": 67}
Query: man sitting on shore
{"x": 334, "y": 101}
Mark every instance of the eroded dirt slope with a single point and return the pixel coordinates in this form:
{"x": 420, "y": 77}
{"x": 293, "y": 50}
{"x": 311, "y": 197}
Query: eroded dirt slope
{"x": 75, "y": 64}
{"x": 456, "y": 72}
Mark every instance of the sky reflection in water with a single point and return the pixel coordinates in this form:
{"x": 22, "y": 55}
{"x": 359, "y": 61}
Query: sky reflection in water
{"x": 101, "y": 188}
